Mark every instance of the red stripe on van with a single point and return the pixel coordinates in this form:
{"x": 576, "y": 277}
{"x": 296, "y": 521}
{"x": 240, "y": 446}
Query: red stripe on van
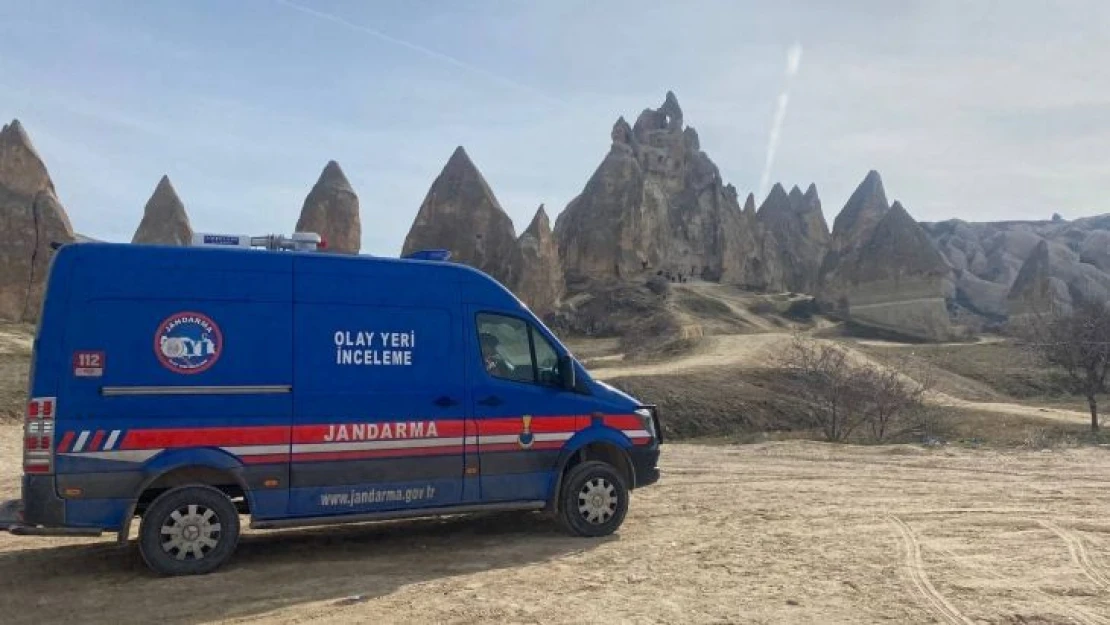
{"x": 265, "y": 459}
{"x": 67, "y": 440}
{"x": 95, "y": 445}
{"x": 624, "y": 422}
{"x": 515, "y": 425}
{"x": 205, "y": 437}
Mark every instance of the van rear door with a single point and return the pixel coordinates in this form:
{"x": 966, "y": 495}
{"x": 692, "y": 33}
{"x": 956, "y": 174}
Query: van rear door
{"x": 379, "y": 405}
{"x": 174, "y": 357}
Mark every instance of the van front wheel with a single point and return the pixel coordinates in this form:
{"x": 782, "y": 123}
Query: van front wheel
{"x": 594, "y": 499}
{"x": 190, "y": 530}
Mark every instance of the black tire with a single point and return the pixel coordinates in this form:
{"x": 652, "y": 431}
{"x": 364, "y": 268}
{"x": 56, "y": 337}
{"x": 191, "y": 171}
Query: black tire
{"x": 579, "y": 513}
{"x": 203, "y": 541}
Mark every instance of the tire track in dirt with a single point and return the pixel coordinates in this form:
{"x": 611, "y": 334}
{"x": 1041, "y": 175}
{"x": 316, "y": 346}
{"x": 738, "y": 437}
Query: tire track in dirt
{"x": 1078, "y": 614}
{"x": 916, "y": 567}
{"x": 1079, "y": 553}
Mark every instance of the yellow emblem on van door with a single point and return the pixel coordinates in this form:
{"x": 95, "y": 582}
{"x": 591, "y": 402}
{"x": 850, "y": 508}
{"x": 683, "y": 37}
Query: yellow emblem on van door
{"x": 526, "y": 437}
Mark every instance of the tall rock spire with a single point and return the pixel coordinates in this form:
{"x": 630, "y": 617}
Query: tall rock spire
{"x": 460, "y": 213}
{"x": 800, "y": 233}
{"x": 31, "y": 220}
{"x": 657, "y": 205}
{"x": 541, "y": 284}
{"x": 164, "y": 221}
{"x": 331, "y": 210}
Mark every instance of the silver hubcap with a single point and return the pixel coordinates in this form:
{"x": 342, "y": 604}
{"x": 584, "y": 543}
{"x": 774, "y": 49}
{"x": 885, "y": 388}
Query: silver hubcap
{"x": 190, "y": 532}
{"x": 597, "y": 501}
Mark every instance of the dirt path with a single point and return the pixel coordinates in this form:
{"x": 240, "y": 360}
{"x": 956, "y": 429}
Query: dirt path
{"x": 760, "y": 350}
{"x": 775, "y": 533}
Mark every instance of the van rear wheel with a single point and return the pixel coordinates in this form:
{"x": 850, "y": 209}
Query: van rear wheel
{"x": 190, "y": 530}
{"x": 594, "y": 499}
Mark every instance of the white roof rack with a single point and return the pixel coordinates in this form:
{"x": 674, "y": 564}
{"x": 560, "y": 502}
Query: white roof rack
{"x": 298, "y": 241}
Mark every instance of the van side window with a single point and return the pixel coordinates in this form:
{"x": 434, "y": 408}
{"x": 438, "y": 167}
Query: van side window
{"x": 513, "y": 350}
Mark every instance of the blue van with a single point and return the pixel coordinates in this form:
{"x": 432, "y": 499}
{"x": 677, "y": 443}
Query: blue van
{"x": 185, "y": 386}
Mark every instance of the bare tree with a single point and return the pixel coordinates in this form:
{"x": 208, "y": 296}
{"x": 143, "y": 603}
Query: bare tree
{"x": 840, "y": 396}
{"x": 1075, "y": 340}
{"x": 888, "y": 396}
{"x": 826, "y": 388}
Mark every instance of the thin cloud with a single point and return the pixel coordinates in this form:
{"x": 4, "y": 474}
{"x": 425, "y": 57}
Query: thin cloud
{"x": 439, "y": 56}
{"x": 793, "y": 62}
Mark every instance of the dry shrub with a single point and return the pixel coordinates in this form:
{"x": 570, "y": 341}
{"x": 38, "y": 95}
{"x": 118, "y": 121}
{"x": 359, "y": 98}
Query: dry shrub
{"x": 845, "y": 399}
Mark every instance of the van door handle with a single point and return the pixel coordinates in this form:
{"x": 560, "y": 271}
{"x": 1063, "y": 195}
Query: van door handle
{"x": 445, "y": 401}
{"x": 492, "y": 400}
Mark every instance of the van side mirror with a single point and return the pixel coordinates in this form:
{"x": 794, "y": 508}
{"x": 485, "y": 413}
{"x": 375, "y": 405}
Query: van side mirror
{"x": 566, "y": 372}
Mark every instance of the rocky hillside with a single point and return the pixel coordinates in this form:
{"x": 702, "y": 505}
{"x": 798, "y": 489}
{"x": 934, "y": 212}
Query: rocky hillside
{"x": 655, "y": 211}
{"x": 1005, "y": 267}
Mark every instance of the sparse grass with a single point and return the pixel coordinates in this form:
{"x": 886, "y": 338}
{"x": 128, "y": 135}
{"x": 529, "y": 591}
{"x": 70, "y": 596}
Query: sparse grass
{"x": 763, "y": 307}
{"x": 15, "y": 362}
{"x": 698, "y": 304}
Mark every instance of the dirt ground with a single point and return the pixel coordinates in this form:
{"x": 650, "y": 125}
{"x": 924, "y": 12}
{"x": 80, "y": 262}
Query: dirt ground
{"x": 792, "y": 532}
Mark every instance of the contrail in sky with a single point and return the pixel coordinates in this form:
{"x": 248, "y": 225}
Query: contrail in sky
{"x": 439, "y": 56}
{"x": 793, "y": 62}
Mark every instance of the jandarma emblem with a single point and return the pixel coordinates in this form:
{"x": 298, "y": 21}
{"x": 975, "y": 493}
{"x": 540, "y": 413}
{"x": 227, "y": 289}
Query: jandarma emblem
{"x": 526, "y": 438}
{"x": 188, "y": 343}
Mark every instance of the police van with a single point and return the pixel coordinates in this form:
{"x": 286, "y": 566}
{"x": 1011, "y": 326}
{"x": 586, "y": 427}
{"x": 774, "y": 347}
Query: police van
{"x": 186, "y": 386}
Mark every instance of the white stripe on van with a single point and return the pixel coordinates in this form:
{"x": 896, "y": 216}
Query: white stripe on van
{"x": 257, "y": 450}
{"x": 80, "y": 444}
{"x": 128, "y": 455}
{"x": 543, "y": 437}
{"x": 636, "y": 433}
{"x": 410, "y": 443}
{"x": 111, "y": 440}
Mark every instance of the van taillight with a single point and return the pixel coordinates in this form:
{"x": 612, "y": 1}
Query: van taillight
{"x": 38, "y": 435}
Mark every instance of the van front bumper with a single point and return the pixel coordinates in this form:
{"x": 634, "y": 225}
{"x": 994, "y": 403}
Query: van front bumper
{"x": 41, "y": 512}
{"x": 645, "y": 465}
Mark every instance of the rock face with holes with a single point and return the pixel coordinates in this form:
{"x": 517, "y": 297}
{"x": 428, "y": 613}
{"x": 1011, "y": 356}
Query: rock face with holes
{"x": 331, "y": 210}
{"x": 656, "y": 205}
{"x": 883, "y": 272}
{"x": 800, "y": 235}
{"x": 540, "y": 284}
{"x": 461, "y": 214}
{"x": 31, "y": 219}
{"x": 164, "y": 219}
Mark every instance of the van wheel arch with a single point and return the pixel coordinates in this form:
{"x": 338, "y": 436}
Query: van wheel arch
{"x": 229, "y": 482}
{"x": 602, "y": 451}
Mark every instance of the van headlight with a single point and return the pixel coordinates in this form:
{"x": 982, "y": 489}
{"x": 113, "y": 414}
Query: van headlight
{"x": 648, "y": 420}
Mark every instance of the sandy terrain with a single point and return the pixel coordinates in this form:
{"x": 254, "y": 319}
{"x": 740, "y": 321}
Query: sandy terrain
{"x": 772, "y": 533}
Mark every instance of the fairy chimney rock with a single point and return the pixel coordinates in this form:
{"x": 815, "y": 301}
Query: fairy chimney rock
{"x": 164, "y": 221}
{"x": 331, "y": 210}
{"x": 541, "y": 284}
{"x": 31, "y": 220}
{"x": 460, "y": 213}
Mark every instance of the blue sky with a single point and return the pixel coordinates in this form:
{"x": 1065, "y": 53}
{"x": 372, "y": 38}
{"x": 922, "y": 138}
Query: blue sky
{"x": 979, "y": 110}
